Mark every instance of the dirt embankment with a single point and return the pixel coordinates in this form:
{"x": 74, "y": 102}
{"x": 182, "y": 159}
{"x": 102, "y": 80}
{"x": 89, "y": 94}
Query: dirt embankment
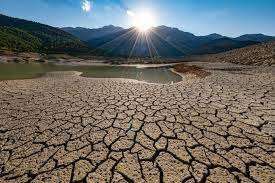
{"x": 191, "y": 69}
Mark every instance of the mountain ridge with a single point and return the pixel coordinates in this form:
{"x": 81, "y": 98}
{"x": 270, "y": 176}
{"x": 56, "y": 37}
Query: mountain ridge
{"x": 255, "y": 37}
{"x": 173, "y": 41}
{"x": 251, "y": 37}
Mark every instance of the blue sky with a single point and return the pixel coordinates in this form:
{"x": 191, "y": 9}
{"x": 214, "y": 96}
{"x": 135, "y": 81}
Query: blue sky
{"x": 201, "y": 17}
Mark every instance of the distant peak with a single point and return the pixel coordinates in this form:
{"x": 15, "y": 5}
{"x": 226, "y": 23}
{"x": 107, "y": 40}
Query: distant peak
{"x": 214, "y": 34}
{"x": 257, "y": 34}
{"x": 111, "y": 27}
{"x": 74, "y": 28}
{"x": 165, "y": 27}
{"x": 108, "y": 26}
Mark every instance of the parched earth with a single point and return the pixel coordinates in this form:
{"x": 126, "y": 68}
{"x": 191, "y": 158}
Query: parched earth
{"x": 66, "y": 128}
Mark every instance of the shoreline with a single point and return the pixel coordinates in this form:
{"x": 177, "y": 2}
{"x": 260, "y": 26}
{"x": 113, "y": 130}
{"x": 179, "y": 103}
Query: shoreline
{"x": 136, "y": 65}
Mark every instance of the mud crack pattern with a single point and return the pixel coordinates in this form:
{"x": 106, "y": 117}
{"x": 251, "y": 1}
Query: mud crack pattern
{"x": 65, "y": 128}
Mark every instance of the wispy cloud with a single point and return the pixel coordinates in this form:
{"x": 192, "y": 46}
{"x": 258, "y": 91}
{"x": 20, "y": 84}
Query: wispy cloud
{"x": 86, "y": 5}
{"x": 130, "y": 13}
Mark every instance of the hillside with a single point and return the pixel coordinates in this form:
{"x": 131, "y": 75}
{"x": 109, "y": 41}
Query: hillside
{"x": 260, "y": 54}
{"x": 18, "y": 40}
{"x": 221, "y": 45}
{"x": 22, "y": 35}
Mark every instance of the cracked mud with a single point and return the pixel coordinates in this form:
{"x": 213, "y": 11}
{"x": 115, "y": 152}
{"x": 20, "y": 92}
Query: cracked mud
{"x": 66, "y": 128}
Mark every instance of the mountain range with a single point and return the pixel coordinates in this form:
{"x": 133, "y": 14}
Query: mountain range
{"x": 162, "y": 41}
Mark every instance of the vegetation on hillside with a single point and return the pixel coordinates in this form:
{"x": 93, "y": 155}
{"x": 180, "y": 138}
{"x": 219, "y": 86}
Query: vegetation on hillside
{"x": 22, "y": 35}
{"x": 17, "y": 40}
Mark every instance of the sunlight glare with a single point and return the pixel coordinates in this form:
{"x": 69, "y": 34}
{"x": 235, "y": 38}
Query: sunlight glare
{"x": 143, "y": 21}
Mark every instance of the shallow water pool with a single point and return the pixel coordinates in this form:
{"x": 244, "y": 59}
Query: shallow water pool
{"x": 162, "y": 75}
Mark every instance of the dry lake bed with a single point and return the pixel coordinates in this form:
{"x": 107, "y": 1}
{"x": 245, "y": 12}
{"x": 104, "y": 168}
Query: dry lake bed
{"x": 63, "y": 127}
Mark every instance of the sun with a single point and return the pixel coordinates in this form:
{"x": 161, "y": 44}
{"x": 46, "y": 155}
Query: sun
{"x": 143, "y": 21}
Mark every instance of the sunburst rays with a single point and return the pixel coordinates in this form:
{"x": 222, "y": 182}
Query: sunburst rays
{"x": 139, "y": 44}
